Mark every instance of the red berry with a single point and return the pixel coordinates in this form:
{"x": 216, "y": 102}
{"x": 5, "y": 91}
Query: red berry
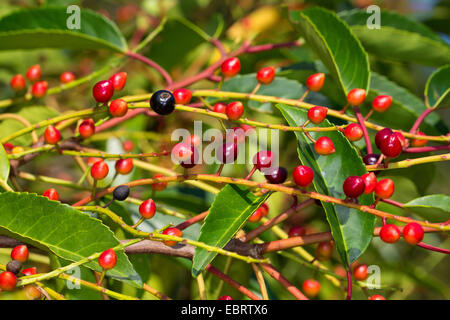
{"x": 419, "y": 142}
{"x": 391, "y": 147}
{"x": 103, "y": 91}
{"x": 311, "y": 287}
{"x": 360, "y": 273}
{"x": 181, "y": 152}
{"x": 182, "y": 96}
{"x": 413, "y": 233}
{"x": 159, "y": 186}
{"x": 52, "y": 194}
{"x": 303, "y": 176}
{"x": 235, "y": 110}
{"x": 225, "y": 298}
{"x": 317, "y": 114}
{"x": 227, "y": 153}
{"x": 118, "y": 80}
{"x": 118, "y": 108}
{"x": 107, "y": 259}
{"x": 356, "y": 96}
{"x": 20, "y": 253}
{"x": 324, "y": 251}
{"x": 124, "y": 166}
{"x": 264, "y": 209}
{"x": 52, "y": 135}
{"x": 172, "y": 232}
{"x": 265, "y": 75}
{"x": 193, "y": 141}
{"x": 353, "y": 186}
{"x": 370, "y": 182}
{"x": 67, "y": 77}
{"x": 384, "y": 188}
{"x": 297, "y": 231}
{"x": 18, "y": 83}
{"x": 39, "y": 89}
{"x": 8, "y": 147}
{"x": 315, "y": 81}
{"x": 29, "y": 271}
{"x": 390, "y": 233}
{"x": 147, "y": 209}
{"x": 230, "y": 67}
{"x": 324, "y": 146}
{"x": 381, "y": 103}
{"x": 220, "y": 107}
{"x": 276, "y": 175}
{"x": 8, "y": 281}
{"x": 99, "y": 170}
{"x": 256, "y": 216}
{"x": 87, "y": 128}
{"x": 353, "y": 132}
{"x": 34, "y": 73}
{"x": 382, "y": 135}
{"x": 128, "y": 145}
{"x": 377, "y": 297}
{"x": 263, "y": 159}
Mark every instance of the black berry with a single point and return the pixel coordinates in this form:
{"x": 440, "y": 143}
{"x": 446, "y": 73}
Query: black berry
{"x": 277, "y": 175}
{"x": 121, "y": 193}
{"x": 14, "y": 266}
{"x": 162, "y": 102}
{"x": 371, "y": 158}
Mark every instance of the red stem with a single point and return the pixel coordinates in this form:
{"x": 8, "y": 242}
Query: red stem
{"x": 219, "y": 46}
{"x": 419, "y": 120}
{"x": 232, "y": 282}
{"x": 432, "y": 248}
{"x": 152, "y": 64}
{"x": 283, "y": 281}
{"x": 426, "y": 149}
{"x": 349, "y": 283}
{"x": 360, "y": 119}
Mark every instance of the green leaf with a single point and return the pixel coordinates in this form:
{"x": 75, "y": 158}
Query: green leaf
{"x": 337, "y": 47}
{"x": 399, "y": 38}
{"x": 434, "y": 207}
{"x": 68, "y": 233}
{"x": 405, "y": 107}
{"x": 4, "y": 164}
{"x": 231, "y": 208}
{"x": 36, "y": 28}
{"x": 33, "y": 114}
{"x": 437, "y": 89}
{"x": 280, "y": 87}
{"x": 351, "y": 229}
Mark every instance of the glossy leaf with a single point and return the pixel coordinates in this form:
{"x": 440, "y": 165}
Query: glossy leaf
{"x": 337, "y": 47}
{"x": 351, "y": 229}
{"x": 434, "y": 207}
{"x": 280, "y": 87}
{"x": 36, "y": 28}
{"x": 68, "y": 233}
{"x": 398, "y": 38}
{"x": 437, "y": 89}
{"x": 231, "y": 208}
